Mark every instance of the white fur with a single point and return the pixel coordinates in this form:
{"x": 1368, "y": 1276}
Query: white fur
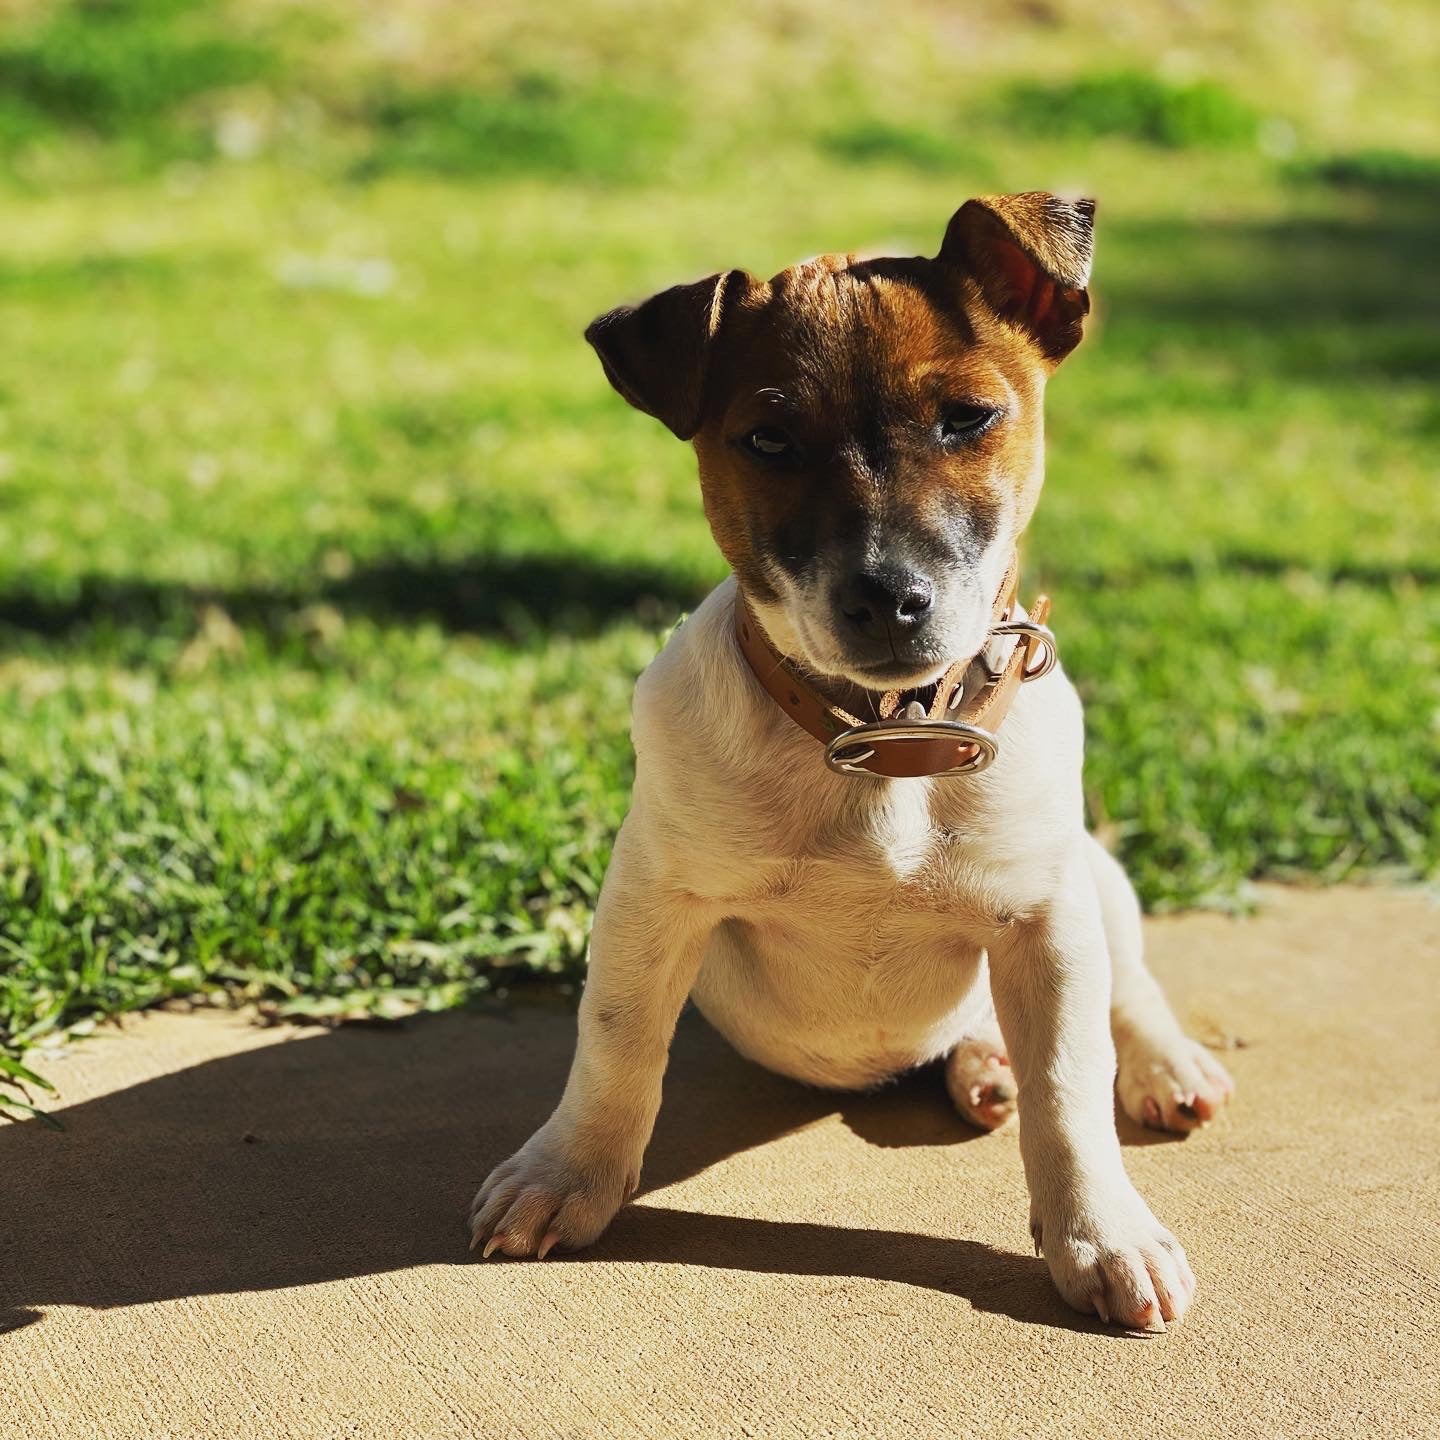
{"x": 836, "y": 929}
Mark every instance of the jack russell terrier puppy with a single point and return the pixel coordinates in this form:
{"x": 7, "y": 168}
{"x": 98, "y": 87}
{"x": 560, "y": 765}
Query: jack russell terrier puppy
{"x": 834, "y": 848}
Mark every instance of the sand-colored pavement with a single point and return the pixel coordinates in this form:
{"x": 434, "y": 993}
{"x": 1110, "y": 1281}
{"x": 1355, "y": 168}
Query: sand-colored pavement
{"x": 258, "y": 1232}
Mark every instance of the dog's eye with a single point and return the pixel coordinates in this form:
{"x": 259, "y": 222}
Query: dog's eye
{"x": 769, "y": 443}
{"x": 964, "y": 422}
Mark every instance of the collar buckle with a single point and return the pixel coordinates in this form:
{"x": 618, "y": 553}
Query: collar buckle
{"x": 1030, "y": 630}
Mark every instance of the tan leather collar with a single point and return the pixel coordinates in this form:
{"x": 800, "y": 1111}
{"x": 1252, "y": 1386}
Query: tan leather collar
{"x": 955, "y": 736}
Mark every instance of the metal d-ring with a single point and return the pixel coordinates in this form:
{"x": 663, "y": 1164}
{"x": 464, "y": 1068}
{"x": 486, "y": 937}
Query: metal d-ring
{"x": 1031, "y": 630}
{"x": 848, "y": 749}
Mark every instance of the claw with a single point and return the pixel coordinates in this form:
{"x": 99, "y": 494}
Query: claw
{"x": 1101, "y": 1308}
{"x": 547, "y": 1244}
{"x": 490, "y": 1246}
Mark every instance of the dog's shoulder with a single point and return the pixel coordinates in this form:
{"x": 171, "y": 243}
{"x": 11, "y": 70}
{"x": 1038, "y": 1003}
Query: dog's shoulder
{"x": 697, "y": 700}
{"x": 689, "y": 662}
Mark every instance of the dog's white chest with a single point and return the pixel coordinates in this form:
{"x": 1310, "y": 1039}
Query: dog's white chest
{"x": 901, "y": 833}
{"x": 854, "y": 957}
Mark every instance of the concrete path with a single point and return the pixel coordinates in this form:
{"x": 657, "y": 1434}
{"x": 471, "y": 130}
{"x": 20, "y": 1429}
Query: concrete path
{"x": 258, "y": 1233}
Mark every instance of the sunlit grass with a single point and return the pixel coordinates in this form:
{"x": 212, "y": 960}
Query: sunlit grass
{"x": 328, "y": 558}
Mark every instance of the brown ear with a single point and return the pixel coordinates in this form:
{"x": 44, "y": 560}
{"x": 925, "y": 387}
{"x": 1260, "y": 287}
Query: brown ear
{"x": 657, "y": 354}
{"x": 1031, "y": 257}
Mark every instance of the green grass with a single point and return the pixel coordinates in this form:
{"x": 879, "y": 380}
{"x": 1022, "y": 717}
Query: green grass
{"x": 1137, "y": 105}
{"x": 537, "y": 125}
{"x": 328, "y": 559}
{"x": 121, "y": 67}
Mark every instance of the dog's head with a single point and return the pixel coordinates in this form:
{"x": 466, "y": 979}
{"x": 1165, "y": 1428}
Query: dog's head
{"x": 869, "y": 431}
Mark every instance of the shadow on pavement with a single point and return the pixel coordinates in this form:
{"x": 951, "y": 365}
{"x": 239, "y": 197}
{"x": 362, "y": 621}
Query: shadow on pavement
{"x": 356, "y": 1151}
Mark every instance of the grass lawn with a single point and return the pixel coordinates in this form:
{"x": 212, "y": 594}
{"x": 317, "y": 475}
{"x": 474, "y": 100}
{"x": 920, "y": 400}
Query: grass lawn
{"x": 328, "y": 558}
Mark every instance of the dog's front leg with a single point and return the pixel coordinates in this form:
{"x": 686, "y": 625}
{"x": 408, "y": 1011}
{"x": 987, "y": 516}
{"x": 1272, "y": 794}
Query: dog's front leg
{"x": 565, "y": 1184}
{"x": 1050, "y": 974}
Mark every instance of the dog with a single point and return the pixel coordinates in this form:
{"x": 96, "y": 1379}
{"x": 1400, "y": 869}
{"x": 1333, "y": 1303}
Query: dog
{"x": 912, "y": 885}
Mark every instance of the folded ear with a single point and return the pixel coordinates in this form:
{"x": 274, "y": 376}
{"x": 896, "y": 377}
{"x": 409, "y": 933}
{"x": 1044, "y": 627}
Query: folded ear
{"x": 657, "y": 354}
{"x": 1030, "y": 255}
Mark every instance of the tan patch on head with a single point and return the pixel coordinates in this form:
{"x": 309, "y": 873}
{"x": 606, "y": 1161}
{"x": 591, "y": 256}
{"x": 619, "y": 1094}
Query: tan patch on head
{"x": 869, "y": 431}
{"x": 858, "y": 361}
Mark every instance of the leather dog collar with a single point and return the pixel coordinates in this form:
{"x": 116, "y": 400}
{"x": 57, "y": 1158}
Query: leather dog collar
{"x": 955, "y": 736}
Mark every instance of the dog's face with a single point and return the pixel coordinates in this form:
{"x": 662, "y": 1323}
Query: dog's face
{"x": 869, "y": 432}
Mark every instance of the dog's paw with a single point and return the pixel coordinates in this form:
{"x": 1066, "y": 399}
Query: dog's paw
{"x": 547, "y": 1196}
{"x": 980, "y": 1082}
{"x": 1114, "y": 1259}
{"x": 1170, "y": 1084}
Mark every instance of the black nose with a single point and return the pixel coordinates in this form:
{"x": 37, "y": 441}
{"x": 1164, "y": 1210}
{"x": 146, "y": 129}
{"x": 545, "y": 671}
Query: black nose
{"x": 878, "y": 600}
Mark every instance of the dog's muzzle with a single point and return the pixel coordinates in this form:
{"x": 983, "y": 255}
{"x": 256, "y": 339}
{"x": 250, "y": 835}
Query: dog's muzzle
{"x": 946, "y": 736}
